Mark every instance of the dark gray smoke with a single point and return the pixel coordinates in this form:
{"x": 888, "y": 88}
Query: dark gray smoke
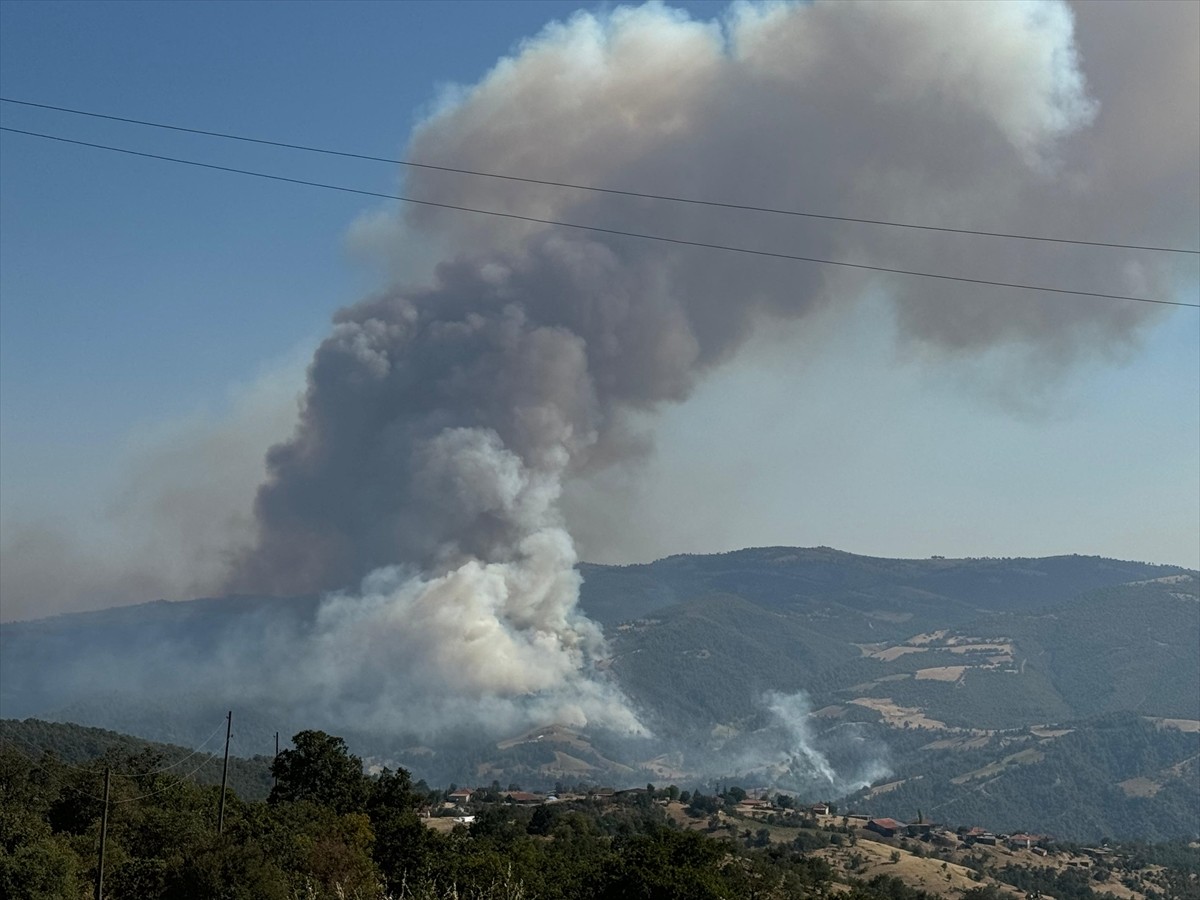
{"x": 443, "y": 418}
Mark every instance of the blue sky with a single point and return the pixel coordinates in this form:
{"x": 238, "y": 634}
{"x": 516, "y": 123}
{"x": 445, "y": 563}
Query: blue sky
{"x": 115, "y": 269}
{"x": 136, "y": 292}
{"x": 135, "y": 295}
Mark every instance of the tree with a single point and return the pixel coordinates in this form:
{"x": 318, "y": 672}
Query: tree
{"x": 702, "y": 805}
{"x": 321, "y": 770}
{"x": 666, "y": 865}
{"x": 403, "y": 844}
{"x": 44, "y": 870}
{"x": 228, "y": 870}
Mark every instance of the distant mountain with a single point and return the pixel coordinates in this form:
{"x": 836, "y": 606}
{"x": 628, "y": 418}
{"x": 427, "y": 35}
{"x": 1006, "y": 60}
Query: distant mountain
{"x": 809, "y": 669}
{"x": 1051, "y": 639}
{"x": 865, "y": 589}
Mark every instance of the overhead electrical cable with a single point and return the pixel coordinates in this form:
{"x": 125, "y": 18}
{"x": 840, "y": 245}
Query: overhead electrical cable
{"x": 599, "y": 190}
{"x": 601, "y": 230}
{"x": 147, "y": 774}
{"x": 163, "y": 790}
{"x": 184, "y": 759}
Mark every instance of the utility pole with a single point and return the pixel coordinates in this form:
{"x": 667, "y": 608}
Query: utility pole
{"x": 274, "y": 777}
{"x": 224, "y": 776}
{"x": 103, "y": 836}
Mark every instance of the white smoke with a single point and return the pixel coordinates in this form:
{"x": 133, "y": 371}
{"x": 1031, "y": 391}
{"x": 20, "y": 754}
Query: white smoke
{"x": 787, "y": 752}
{"x": 442, "y": 418}
{"x": 807, "y": 759}
{"x": 444, "y": 415}
{"x": 463, "y": 640}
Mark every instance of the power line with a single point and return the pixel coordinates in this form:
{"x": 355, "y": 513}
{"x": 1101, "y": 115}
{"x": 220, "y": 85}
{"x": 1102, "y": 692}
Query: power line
{"x": 41, "y": 749}
{"x": 598, "y": 190}
{"x": 169, "y": 787}
{"x": 162, "y": 790}
{"x": 613, "y": 231}
{"x": 180, "y": 762}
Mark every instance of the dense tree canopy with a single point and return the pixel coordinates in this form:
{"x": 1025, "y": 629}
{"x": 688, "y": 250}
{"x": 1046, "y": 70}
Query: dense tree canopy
{"x": 321, "y": 770}
{"x": 331, "y": 831}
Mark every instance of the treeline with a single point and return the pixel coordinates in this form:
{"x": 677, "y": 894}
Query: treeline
{"x": 80, "y": 744}
{"x": 329, "y": 831}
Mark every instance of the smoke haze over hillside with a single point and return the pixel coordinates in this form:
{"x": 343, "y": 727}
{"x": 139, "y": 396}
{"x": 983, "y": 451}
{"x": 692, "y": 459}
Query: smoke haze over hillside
{"x": 442, "y": 420}
{"x": 444, "y": 415}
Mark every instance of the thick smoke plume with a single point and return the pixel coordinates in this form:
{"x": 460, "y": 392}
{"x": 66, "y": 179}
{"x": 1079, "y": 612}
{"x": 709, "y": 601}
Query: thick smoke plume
{"x": 443, "y": 417}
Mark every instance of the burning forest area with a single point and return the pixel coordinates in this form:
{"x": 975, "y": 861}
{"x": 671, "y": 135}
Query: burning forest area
{"x": 636, "y": 286}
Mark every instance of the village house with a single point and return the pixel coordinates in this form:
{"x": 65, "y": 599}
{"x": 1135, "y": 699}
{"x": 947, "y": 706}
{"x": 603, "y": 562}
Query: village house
{"x": 460, "y": 796}
{"x": 524, "y": 798}
{"x": 1024, "y": 841}
{"x": 977, "y": 835}
{"x": 885, "y": 827}
{"x": 819, "y": 809}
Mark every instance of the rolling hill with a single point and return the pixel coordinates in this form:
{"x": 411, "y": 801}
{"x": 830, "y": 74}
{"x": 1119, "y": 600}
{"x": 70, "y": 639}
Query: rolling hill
{"x": 809, "y": 669}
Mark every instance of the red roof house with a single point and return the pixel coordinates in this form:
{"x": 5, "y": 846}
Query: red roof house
{"x": 885, "y": 827}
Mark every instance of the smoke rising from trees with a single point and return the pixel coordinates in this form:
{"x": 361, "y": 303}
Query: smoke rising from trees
{"x": 445, "y": 414}
{"x": 442, "y": 418}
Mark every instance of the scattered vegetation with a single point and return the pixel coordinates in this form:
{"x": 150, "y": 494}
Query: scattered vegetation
{"x": 327, "y": 830}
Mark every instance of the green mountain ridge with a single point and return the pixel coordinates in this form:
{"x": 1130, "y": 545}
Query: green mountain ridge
{"x": 875, "y": 660}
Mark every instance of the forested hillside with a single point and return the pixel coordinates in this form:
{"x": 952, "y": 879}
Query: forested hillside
{"x": 77, "y": 745}
{"x": 1125, "y": 648}
{"x": 810, "y": 670}
{"x": 327, "y": 831}
{"x": 1115, "y": 777}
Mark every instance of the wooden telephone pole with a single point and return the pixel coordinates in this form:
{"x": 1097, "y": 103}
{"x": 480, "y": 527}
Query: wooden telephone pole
{"x": 103, "y": 837}
{"x": 224, "y": 776}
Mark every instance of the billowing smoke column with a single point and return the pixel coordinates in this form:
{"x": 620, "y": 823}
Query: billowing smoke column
{"x": 442, "y": 418}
